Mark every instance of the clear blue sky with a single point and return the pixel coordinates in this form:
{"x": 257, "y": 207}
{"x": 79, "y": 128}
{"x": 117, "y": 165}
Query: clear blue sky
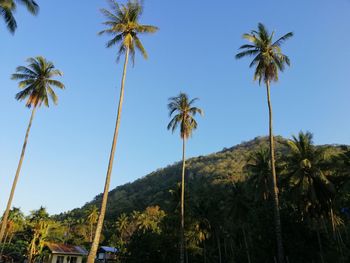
{"x": 67, "y": 154}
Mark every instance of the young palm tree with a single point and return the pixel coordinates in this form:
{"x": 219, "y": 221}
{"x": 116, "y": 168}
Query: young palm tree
{"x": 7, "y": 7}
{"x": 259, "y": 169}
{"x": 268, "y": 61}
{"x": 307, "y": 178}
{"x": 123, "y": 24}
{"x": 37, "y": 81}
{"x": 184, "y": 112}
{"x": 309, "y": 184}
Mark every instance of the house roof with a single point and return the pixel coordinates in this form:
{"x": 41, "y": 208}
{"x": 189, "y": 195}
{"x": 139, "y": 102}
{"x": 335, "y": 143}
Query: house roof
{"x": 109, "y": 249}
{"x": 66, "y": 249}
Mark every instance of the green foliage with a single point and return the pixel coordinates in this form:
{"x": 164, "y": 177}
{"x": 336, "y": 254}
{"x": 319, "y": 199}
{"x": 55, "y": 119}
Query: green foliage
{"x": 268, "y": 56}
{"x": 227, "y": 216}
{"x": 184, "y": 112}
{"x": 123, "y": 24}
{"x": 8, "y": 7}
{"x": 37, "y": 82}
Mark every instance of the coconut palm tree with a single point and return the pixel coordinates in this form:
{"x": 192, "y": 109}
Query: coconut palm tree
{"x": 184, "y": 112}
{"x": 268, "y": 61}
{"x": 37, "y": 82}
{"x": 259, "y": 170}
{"x": 307, "y": 178}
{"x": 124, "y": 27}
{"x": 309, "y": 184}
{"x": 7, "y": 7}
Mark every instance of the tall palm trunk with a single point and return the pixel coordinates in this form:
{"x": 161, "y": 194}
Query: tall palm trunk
{"x": 219, "y": 247}
{"x": 9, "y": 202}
{"x": 91, "y": 230}
{"x": 182, "y": 230}
{"x": 277, "y": 219}
{"x": 95, "y": 243}
{"x": 246, "y": 244}
{"x": 319, "y": 244}
{"x": 3, "y": 244}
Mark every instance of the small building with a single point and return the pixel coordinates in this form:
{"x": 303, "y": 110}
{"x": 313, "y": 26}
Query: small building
{"x": 61, "y": 253}
{"x": 107, "y": 254}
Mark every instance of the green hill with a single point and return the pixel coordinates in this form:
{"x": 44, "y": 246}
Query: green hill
{"x": 153, "y": 189}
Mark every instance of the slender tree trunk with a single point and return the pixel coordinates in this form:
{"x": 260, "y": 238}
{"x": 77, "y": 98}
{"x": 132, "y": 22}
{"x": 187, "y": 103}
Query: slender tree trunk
{"x": 3, "y": 244}
{"x": 10, "y": 240}
{"x": 91, "y": 230}
{"x": 9, "y": 202}
{"x": 333, "y": 223}
{"x": 182, "y": 229}
{"x": 277, "y": 219}
{"x": 232, "y": 250}
{"x": 320, "y": 244}
{"x": 219, "y": 247}
{"x": 246, "y": 244}
{"x": 95, "y": 243}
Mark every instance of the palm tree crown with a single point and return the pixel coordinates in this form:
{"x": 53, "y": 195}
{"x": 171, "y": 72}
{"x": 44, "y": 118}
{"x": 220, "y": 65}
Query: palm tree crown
{"x": 7, "y": 7}
{"x": 259, "y": 169}
{"x": 185, "y": 112}
{"x": 307, "y": 177}
{"x": 37, "y": 82}
{"x": 123, "y": 25}
{"x": 268, "y": 57}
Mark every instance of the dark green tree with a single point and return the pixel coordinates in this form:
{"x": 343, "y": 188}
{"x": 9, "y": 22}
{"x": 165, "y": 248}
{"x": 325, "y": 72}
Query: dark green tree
{"x": 309, "y": 184}
{"x": 259, "y": 169}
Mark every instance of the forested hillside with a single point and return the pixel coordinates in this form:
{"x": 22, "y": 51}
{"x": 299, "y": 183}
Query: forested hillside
{"x": 228, "y": 215}
{"x": 225, "y": 166}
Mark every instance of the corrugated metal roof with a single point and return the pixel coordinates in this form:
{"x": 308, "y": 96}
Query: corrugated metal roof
{"x": 66, "y": 249}
{"x": 109, "y": 249}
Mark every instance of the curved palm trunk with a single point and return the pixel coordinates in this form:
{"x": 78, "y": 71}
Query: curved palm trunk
{"x": 277, "y": 219}
{"x": 95, "y": 243}
{"x": 14, "y": 184}
{"x": 182, "y": 229}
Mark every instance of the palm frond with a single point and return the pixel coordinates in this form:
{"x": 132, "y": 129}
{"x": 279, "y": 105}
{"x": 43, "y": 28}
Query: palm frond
{"x": 115, "y": 40}
{"x": 56, "y": 83}
{"x": 140, "y": 47}
{"x": 31, "y": 6}
{"x": 282, "y": 39}
{"x": 247, "y": 53}
{"x": 9, "y": 19}
{"x": 146, "y": 29}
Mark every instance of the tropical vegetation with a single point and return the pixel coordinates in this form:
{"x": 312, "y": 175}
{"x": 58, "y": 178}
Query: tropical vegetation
{"x": 236, "y": 200}
{"x": 228, "y": 209}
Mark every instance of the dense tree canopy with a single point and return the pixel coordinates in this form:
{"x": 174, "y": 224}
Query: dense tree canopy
{"x": 229, "y": 216}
